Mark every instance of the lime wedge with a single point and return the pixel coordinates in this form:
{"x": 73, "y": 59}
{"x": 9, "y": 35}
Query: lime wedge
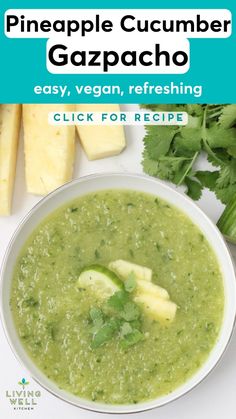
{"x": 100, "y": 280}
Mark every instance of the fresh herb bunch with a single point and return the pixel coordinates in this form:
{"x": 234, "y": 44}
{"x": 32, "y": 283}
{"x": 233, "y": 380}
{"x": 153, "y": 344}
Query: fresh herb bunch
{"x": 171, "y": 152}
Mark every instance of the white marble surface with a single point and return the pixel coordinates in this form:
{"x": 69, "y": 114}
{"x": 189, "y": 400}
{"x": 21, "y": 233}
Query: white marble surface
{"x": 212, "y": 399}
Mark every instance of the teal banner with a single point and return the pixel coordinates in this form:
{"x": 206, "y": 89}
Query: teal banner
{"x": 44, "y": 63}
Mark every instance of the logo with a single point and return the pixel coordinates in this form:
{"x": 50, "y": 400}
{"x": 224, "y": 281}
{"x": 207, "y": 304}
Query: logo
{"x": 23, "y": 383}
{"x": 23, "y": 398}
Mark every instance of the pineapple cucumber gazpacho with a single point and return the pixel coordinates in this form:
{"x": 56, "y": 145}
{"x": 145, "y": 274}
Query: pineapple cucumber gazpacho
{"x": 118, "y": 297}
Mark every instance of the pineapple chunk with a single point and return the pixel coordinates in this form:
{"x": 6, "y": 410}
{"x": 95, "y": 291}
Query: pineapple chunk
{"x": 101, "y": 141}
{"x": 49, "y": 150}
{"x": 154, "y": 299}
{"x": 10, "y": 116}
{"x": 153, "y": 289}
{"x": 124, "y": 268}
{"x": 157, "y": 308}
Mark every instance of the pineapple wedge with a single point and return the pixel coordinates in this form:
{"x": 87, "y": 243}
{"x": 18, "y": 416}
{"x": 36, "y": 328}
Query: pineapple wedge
{"x": 154, "y": 299}
{"x": 153, "y": 289}
{"x": 10, "y": 116}
{"x": 101, "y": 141}
{"x": 124, "y": 268}
{"x": 49, "y": 150}
{"x": 157, "y": 308}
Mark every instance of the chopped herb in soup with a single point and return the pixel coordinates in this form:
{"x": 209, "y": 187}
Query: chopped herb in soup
{"x": 118, "y": 284}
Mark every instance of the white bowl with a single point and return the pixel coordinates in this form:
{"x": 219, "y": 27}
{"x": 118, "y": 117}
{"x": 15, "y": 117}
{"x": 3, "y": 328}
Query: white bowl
{"x": 142, "y": 183}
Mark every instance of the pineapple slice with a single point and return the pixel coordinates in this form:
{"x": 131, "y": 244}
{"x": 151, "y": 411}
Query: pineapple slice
{"x": 157, "y": 308}
{"x": 154, "y": 299}
{"x": 153, "y": 289}
{"x": 10, "y": 116}
{"x": 49, "y": 150}
{"x": 124, "y": 268}
{"x": 101, "y": 141}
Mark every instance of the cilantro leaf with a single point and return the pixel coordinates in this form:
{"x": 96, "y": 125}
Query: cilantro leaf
{"x": 96, "y": 316}
{"x": 125, "y": 329}
{"x": 225, "y": 194}
{"x": 188, "y": 140}
{"x": 105, "y": 333}
{"x": 174, "y": 167}
{"x": 126, "y": 308}
{"x": 131, "y": 311}
{"x": 194, "y": 109}
{"x": 207, "y": 179}
{"x": 151, "y": 167}
{"x": 131, "y": 338}
{"x": 136, "y": 324}
{"x": 219, "y": 182}
{"x": 232, "y": 151}
{"x": 218, "y": 137}
{"x": 224, "y": 177}
{"x": 228, "y": 116}
{"x": 118, "y": 300}
{"x": 157, "y": 144}
{"x": 227, "y": 175}
{"x": 218, "y": 158}
{"x": 194, "y": 188}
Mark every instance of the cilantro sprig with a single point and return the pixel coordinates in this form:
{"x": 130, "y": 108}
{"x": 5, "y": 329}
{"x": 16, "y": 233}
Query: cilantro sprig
{"x": 120, "y": 317}
{"x": 171, "y": 153}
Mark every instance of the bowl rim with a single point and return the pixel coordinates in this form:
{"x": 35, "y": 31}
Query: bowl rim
{"x": 84, "y": 403}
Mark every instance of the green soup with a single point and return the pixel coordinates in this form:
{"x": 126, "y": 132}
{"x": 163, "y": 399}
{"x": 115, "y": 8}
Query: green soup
{"x": 51, "y": 313}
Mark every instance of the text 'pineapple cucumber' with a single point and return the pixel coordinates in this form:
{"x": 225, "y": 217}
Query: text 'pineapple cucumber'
{"x": 128, "y": 23}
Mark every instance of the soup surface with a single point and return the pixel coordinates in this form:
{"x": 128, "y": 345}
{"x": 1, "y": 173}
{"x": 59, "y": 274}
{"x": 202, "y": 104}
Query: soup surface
{"x": 51, "y": 312}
